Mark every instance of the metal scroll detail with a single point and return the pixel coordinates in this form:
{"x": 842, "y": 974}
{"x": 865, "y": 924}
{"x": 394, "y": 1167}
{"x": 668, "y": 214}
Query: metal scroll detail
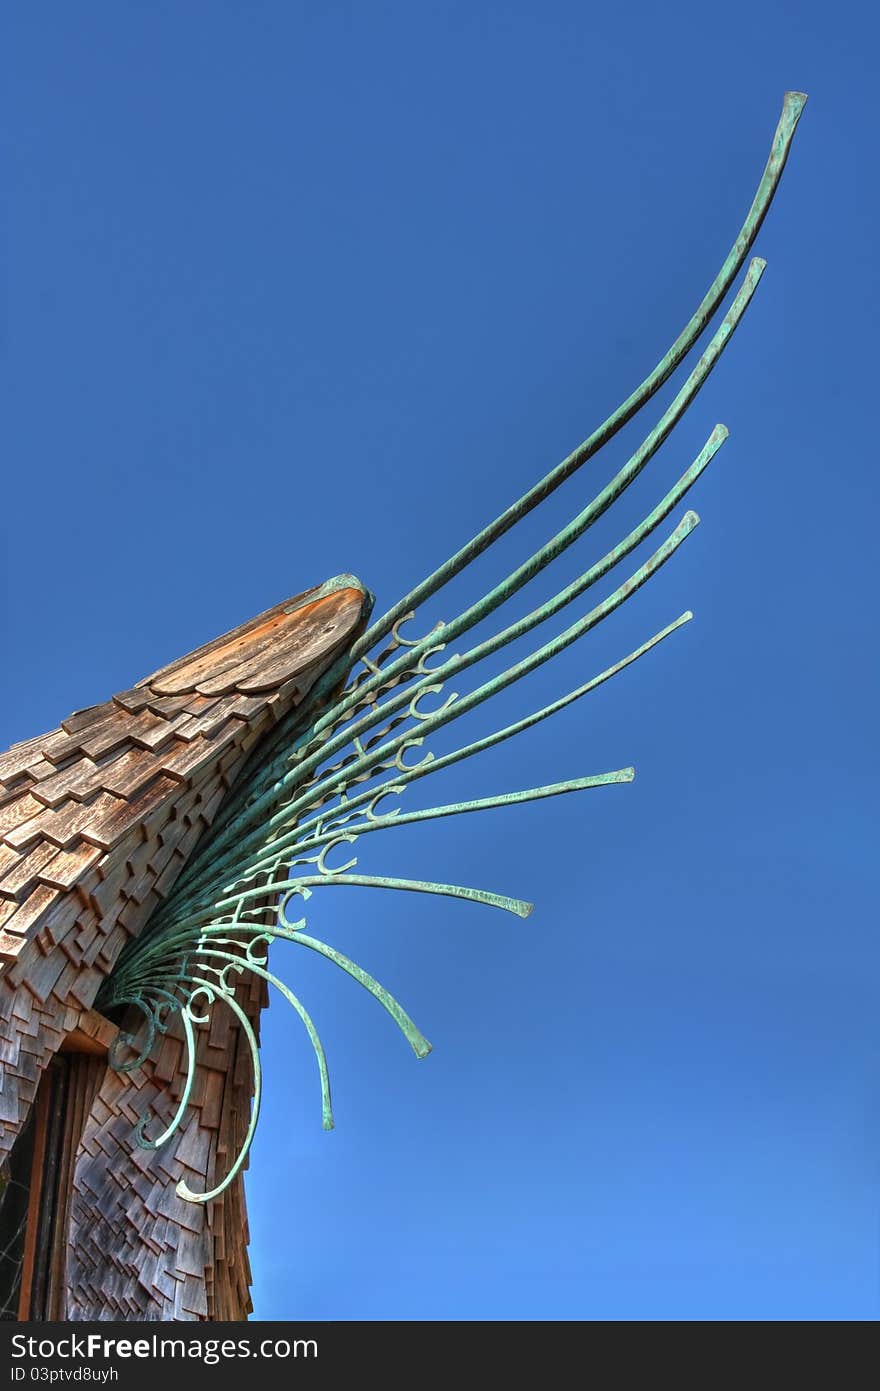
{"x": 292, "y": 822}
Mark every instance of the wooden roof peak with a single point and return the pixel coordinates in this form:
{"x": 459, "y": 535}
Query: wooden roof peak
{"x": 78, "y": 804}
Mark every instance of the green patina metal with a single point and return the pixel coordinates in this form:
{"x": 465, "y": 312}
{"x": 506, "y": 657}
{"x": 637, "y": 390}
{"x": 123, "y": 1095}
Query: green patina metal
{"x": 315, "y": 788}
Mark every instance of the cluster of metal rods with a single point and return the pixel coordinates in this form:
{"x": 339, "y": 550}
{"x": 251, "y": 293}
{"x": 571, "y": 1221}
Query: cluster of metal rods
{"x": 269, "y": 847}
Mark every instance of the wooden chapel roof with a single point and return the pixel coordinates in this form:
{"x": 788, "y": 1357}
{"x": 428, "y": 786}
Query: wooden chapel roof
{"x": 102, "y": 812}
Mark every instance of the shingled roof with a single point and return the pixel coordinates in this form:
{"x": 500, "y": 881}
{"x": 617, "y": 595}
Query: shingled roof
{"x": 97, "y": 818}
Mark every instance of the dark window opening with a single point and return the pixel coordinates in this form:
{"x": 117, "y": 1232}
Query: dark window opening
{"x": 35, "y": 1190}
{"x": 15, "y": 1183}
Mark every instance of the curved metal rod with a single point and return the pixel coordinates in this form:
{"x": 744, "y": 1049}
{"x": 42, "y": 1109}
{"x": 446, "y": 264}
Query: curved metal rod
{"x": 542, "y": 654}
{"x": 398, "y": 785}
{"x": 528, "y": 721}
{"x": 414, "y": 886}
{"x": 259, "y": 969}
{"x": 183, "y": 941}
{"x": 192, "y": 941}
{"x": 154, "y": 1025}
{"x": 126, "y": 1040}
{"x": 169, "y": 1130}
{"x": 792, "y": 108}
{"x": 292, "y": 887}
{"x": 336, "y": 782}
{"x": 455, "y": 665}
{"x": 507, "y": 678}
{"x": 183, "y": 1190}
{"x": 525, "y": 572}
{"x": 336, "y": 838}
{"x": 507, "y": 799}
{"x": 413, "y": 1035}
{"x": 589, "y": 514}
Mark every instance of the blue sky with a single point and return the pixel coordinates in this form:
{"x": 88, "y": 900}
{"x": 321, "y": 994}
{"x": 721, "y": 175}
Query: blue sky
{"x": 294, "y": 289}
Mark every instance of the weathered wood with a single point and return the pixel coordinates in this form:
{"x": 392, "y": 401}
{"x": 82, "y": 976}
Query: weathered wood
{"x": 15, "y": 813}
{"x": 62, "y": 825}
{"x": 79, "y": 781}
{"x": 19, "y": 760}
{"x": 114, "y": 733}
{"x": 19, "y": 877}
{"x": 129, "y": 772}
{"x": 66, "y": 867}
{"x": 229, "y": 653}
{"x": 89, "y": 718}
{"x": 317, "y": 626}
{"x": 28, "y": 913}
{"x": 119, "y": 814}
{"x": 135, "y": 700}
{"x": 96, "y": 820}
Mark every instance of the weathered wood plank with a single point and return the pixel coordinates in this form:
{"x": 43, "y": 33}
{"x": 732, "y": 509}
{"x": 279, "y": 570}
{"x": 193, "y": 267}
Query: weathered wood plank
{"x": 68, "y": 866}
{"x": 62, "y": 825}
{"x": 129, "y": 772}
{"x": 308, "y": 637}
{"x": 78, "y": 781}
{"x": 117, "y": 816}
{"x": 184, "y": 760}
{"x": 88, "y": 718}
{"x": 19, "y": 760}
{"x": 133, "y": 701}
{"x": 19, "y": 877}
{"x": 29, "y": 912}
{"x": 15, "y": 813}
